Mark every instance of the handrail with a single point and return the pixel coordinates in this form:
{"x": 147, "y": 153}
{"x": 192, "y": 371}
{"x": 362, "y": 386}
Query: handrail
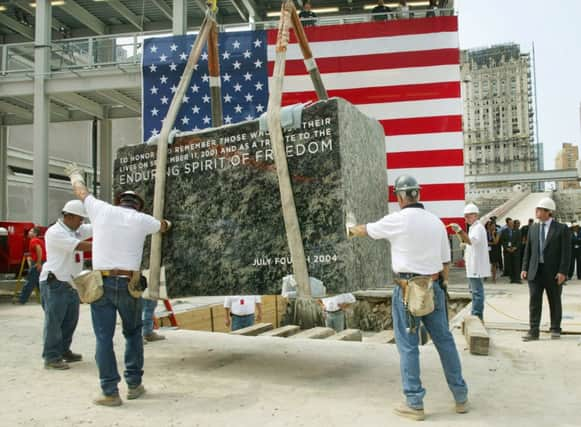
{"x": 74, "y": 54}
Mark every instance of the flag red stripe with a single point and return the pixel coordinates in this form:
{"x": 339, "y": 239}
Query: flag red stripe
{"x": 379, "y": 95}
{"x": 436, "y": 192}
{"x": 425, "y": 159}
{"x": 380, "y": 61}
{"x": 366, "y": 30}
{"x": 459, "y": 220}
{"x": 422, "y": 125}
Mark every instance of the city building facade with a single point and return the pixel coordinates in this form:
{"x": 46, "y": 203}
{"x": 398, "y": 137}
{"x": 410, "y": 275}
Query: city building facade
{"x": 498, "y": 119}
{"x": 567, "y": 158}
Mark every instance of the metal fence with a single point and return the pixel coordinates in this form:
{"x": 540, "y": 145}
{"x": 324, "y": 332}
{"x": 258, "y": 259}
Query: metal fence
{"x": 126, "y": 49}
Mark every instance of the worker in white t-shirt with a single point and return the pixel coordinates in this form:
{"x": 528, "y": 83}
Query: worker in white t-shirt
{"x": 119, "y": 234}
{"x": 477, "y": 258}
{"x": 419, "y": 248}
{"x": 334, "y": 310}
{"x": 65, "y": 245}
{"x": 240, "y": 311}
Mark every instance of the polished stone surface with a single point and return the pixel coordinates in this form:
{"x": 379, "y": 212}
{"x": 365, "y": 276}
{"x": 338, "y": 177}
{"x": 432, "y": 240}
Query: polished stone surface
{"x": 223, "y": 199}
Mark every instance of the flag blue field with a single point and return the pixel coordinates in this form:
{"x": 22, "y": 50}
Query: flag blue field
{"x": 243, "y": 75}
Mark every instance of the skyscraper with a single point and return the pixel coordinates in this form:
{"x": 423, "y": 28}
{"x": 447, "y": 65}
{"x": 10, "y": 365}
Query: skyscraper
{"x": 498, "y": 118}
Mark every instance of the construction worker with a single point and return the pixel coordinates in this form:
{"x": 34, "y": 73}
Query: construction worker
{"x": 545, "y": 266}
{"x": 419, "y": 250}
{"x": 60, "y": 301}
{"x": 119, "y": 234}
{"x": 477, "y": 259}
{"x": 149, "y": 335}
{"x": 35, "y": 260}
{"x": 240, "y": 311}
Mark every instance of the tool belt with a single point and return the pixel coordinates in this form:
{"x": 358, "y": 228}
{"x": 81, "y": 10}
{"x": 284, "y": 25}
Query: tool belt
{"x": 89, "y": 285}
{"x": 137, "y": 283}
{"x": 418, "y": 294}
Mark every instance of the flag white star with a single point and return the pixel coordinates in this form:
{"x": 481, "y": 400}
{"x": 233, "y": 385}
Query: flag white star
{"x": 154, "y": 132}
{"x": 173, "y": 47}
{"x": 237, "y": 65}
{"x": 185, "y": 120}
{"x": 226, "y": 77}
{"x": 205, "y": 56}
{"x": 258, "y": 63}
{"x": 238, "y": 108}
{"x": 154, "y": 111}
{"x": 258, "y": 86}
{"x": 227, "y": 98}
{"x": 195, "y": 109}
{"x": 162, "y": 58}
{"x": 257, "y": 43}
{"x": 186, "y": 99}
{"x": 164, "y": 99}
{"x": 249, "y": 97}
{"x": 173, "y": 66}
{"x": 196, "y": 67}
{"x": 247, "y": 54}
{"x": 195, "y": 88}
{"x": 206, "y": 99}
{"x": 153, "y": 90}
{"x": 183, "y": 56}
{"x": 163, "y": 79}
{"x": 206, "y": 120}
{"x": 247, "y": 76}
{"x": 227, "y": 120}
{"x": 205, "y": 78}
{"x": 259, "y": 108}
{"x": 153, "y": 49}
{"x": 226, "y": 55}
{"x": 173, "y": 89}
{"x": 153, "y": 68}
{"x": 237, "y": 87}
{"x": 236, "y": 44}
{"x": 249, "y": 117}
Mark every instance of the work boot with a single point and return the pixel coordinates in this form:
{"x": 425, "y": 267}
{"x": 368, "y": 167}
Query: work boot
{"x": 403, "y": 410}
{"x": 57, "y": 365}
{"x": 462, "y": 408}
{"x": 135, "y": 392}
{"x": 112, "y": 400}
{"x": 154, "y": 336}
{"x": 70, "y": 357}
{"x": 530, "y": 337}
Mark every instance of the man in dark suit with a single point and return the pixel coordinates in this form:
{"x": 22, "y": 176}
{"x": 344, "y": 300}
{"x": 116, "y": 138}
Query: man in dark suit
{"x": 511, "y": 245}
{"x": 575, "y": 250}
{"x": 545, "y": 266}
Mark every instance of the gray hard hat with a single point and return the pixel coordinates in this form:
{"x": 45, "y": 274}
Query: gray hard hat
{"x": 405, "y": 183}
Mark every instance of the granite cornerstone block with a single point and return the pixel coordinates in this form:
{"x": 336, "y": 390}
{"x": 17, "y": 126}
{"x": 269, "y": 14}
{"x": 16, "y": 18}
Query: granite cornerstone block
{"x": 222, "y": 197}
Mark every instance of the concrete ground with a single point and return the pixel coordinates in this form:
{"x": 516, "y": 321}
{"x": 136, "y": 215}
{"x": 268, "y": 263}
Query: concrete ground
{"x": 205, "y": 379}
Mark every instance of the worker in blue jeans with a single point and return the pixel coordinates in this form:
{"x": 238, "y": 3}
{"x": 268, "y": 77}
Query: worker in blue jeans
{"x": 149, "y": 334}
{"x": 420, "y": 253}
{"x": 240, "y": 311}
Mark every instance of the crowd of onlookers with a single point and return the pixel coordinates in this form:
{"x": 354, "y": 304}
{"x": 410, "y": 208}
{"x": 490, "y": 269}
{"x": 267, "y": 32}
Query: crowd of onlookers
{"x": 381, "y": 12}
{"x": 506, "y": 244}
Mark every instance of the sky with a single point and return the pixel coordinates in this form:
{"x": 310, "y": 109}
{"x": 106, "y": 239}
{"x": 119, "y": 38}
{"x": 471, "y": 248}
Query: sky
{"x": 555, "y": 29}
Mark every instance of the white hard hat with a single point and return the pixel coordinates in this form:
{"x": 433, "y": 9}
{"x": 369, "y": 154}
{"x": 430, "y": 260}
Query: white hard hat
{"x": 547, "y": 203}
{"x": 75, "y": 207}
{"x": 471, "y": 208}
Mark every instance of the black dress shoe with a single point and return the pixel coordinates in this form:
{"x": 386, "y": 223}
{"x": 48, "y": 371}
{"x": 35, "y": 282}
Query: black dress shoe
{"x": 530, "y": 337}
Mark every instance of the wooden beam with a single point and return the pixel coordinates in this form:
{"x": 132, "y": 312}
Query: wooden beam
{"x": 476, "y": 335}
{"x": 16, "y": 26}
{"x": 81, "y": 103}
{"x": 126, "y": 13}
{"x": 315, "y": 333}
{"x": 25, "y": 5}
{"x": 283, "y": 332}
{"x": 252, "y": 331}
{"x": 123, "y": 99}
{"x": 163, "y": 7}
{"x": 84, "y": 17}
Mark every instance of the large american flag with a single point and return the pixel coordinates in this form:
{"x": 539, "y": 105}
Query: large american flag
{"x": 405, "y": 73}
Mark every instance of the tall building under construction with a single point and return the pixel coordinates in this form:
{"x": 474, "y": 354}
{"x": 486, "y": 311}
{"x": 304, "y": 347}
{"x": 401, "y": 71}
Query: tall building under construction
{"x": 498, "y": 119}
